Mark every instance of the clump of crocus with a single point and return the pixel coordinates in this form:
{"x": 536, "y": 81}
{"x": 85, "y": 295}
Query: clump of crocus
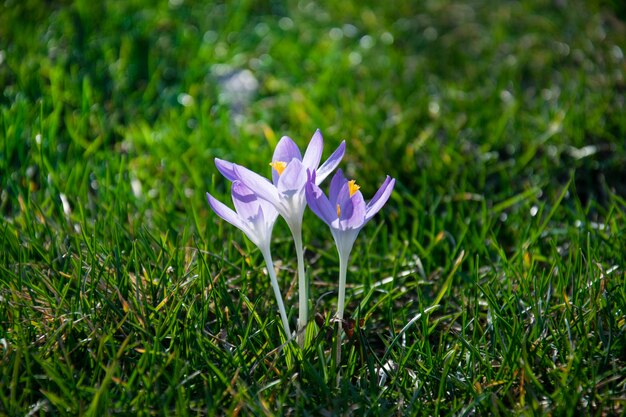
{"x": 255, "y": 217}
{"x": 345, "y": 212}
{"x": 286, "y": 192}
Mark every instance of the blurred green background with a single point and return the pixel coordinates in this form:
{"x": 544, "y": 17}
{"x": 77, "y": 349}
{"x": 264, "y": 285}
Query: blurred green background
{"x": 413, "y": 87}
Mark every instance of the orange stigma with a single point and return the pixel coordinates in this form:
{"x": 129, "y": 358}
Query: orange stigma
{"x": 338, "y": 211}
{"x": 279, "y": 166}
{"x": 353, "y": 187}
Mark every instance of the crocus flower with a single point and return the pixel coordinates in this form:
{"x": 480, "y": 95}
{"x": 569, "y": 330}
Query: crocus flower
{"x": 289, "y": 175}
{"x": 286, "y": 192}
{"x": 345, "y": 212}
{"x": 255, "y": 217}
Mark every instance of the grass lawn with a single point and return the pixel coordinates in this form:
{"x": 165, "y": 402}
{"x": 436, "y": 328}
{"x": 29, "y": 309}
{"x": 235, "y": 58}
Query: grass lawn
{"x": 493, "y": 282}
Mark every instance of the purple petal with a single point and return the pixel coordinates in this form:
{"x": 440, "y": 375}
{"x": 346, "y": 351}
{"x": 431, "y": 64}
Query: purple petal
{"x": 245, "y": 201}
{"x": 269, "y": 211}
{"x": 355, "y": 218}
{"x": 380, "y": 198}
{"x": 343, "y": 196}
{"x": 344, "y": 201}
{"x": 261, "y": 185}
{"x": 310, "y": 176}
{"x": 226, "y": 168}
{"x": 336, "y": 184}
{"x": 331, "y": 163}
{"x": 227, "y": 213}
{"x": 313, "y": 153}
{"x": 285, "y": 151}
{"x": 319, "y": 204}
{"x": 292, "y": 179}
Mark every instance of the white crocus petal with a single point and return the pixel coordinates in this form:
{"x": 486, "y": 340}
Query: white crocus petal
{"x": 330, "y": 164}
{"x": 261, "y": 186}
{"x": 313, "y": 153}
{"x": 232, "y": 217}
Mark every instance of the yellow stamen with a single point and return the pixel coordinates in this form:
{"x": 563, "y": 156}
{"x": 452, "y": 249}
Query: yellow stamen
{"x": 279, "y": 166}
{"x": 338, "y": 211}
{"x": 353, "y": 187}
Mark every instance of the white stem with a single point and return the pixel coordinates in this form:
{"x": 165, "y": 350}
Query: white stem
{"x": 303, "y": 305}
{"x": 343, "y": 271}
{"x": 279, "y": 298}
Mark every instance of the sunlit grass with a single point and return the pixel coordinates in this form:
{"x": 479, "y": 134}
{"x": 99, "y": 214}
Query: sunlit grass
{"x": 491, "y": 283}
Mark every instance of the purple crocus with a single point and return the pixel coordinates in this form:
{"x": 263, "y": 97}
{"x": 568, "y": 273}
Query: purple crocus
{"x": 289, "y": 175}
{"x": 345, "y": 212}
{"x": 286, "y": 192}
{"x": 255, "y": 217}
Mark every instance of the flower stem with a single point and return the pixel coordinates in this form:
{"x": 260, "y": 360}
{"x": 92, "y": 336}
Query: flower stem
{"x": 343, "y": 271}
{"x": 303, "y": 305}
{"x": 279, "y": 298}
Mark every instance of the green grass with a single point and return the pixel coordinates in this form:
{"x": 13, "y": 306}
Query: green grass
{"x": 493, "y": 282}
